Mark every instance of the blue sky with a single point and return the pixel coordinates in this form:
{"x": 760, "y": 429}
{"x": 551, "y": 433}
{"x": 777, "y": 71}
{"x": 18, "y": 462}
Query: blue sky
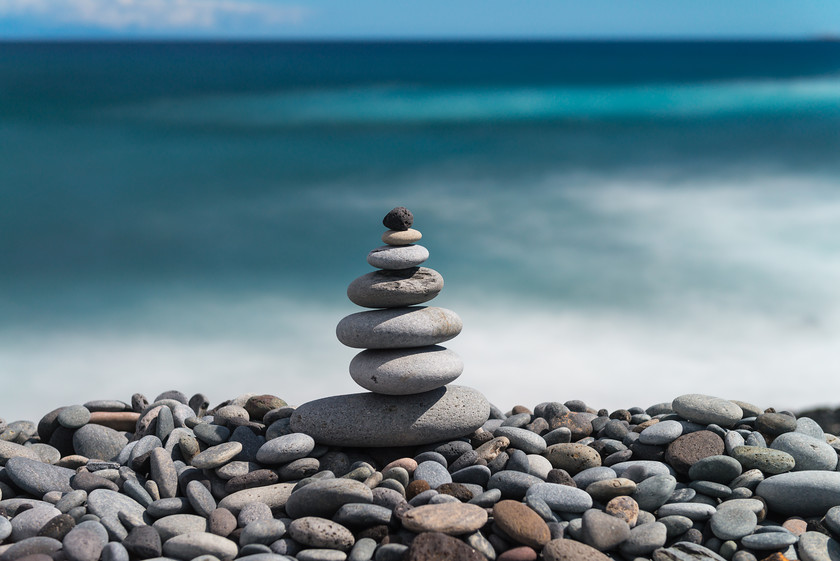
{"x": 447, "y": 19}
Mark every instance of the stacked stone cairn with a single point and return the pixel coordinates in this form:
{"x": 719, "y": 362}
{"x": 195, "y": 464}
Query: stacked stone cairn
{"x": 403, "y": 365}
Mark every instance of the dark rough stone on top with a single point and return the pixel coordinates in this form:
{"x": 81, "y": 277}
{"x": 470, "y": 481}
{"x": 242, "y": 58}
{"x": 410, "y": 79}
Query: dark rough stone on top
{"x": 399, "y": 218}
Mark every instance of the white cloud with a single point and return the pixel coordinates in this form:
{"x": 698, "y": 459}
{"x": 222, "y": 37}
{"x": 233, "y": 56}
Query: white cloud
{"x": 159, "y": 15}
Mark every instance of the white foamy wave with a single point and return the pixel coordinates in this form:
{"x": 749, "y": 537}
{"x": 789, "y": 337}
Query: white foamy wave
{"x": 379, "y": 104}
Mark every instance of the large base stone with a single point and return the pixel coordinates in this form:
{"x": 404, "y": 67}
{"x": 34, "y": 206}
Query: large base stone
{"x": 374, "y": 420}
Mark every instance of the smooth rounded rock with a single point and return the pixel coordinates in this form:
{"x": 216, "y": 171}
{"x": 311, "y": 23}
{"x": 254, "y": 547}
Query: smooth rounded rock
{"x": 144, "y": 542}
{"x": 815, "y": 546}
{"x": 401, "y": 237}
{"x": 660, "y": 433}
{"x": 398, "y": 218}
{"x": 177, "y": 524}
{"x": 432, "y": 473}
{"x": 189, "y": 546}
{"x": 405, "y": 371}
{"x": 393, "y": 289}
{"x": 653, "y": 492}
{"x": 801, "y": 493}
{"x": 392, "y": 257}
{"x": 720, "y": 469}
{"x": 561, "y": 498}
{"x": 84, "y": 543}
{"x": 733, "y": 523}
{"x": 766, "y": 460}
{"x": 571, "y": 550}
{"x": 286, "y": 448}
{"x": 99, "y": 442}
{"x": 324, "y": 497}
{"x": 690, "y": 448}
{"x": 694, "y": 511}
{"x": 522, "y": 439}
{"x": 644, "y": 539}
{"x": 602, "y": 531}
{"x": 36, "y": 477}
{"x": 368, "y": 419}
{"x": 216, "y": 456}
{"x": 262, "y": 531}
{"x": 449, "y": 518}
{"x": 273, "y": 496}
{"x": 706, "y": 410}
{"x": 28, "y": 523}
{"x": 572, "y": 457}
{"x": 394, "y": 328}
{"x": 808, "y": 453}
{"x": 521, "y": 523}
{"x": 434, "y": 546}
{"x": 769, "y": 540}
{"x": 73, "y": 417}
{"x": 108, "y": 505}
{"x": 314, "y": 531}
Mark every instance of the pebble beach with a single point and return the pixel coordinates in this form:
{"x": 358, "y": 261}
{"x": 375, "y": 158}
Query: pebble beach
{"x": 415, "y": 468}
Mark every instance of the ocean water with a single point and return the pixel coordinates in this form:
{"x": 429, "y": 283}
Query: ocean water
{"x": 616, "y": 222}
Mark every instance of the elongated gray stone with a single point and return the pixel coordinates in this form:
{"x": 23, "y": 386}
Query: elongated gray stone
{"x": 405, "y": 371}
{"x": 801, "y": 493}
{"x": 189, "y": 546}
{"x": 275, "y": 496}
{"x": 36, "y": 477}
{"x": 522, "y": 439}
{"x": 397, "y": 257}
{"x": 808, "y": 452}
{"x": 325, "y": 497}
{"x": 706, "y": 409}
{"x": 561, "y": 498}
{"x": 399, "y": 328}
{"x": 392, "y": 289}
{"x": 368, "y": 419}
{"x": 99, "y": 442}
{"x": 286, "y": 448}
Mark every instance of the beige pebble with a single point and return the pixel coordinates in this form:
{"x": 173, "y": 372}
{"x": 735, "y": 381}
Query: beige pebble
{"x": 404, "y": 237}
{"x": 449, "y": 518}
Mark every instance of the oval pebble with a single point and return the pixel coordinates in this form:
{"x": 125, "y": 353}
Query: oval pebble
{"x": 393, "y": 289}
{"x": 561, "y": 498}
{"x": 733, "y": 523}
{"x": 317, "y": 532}
{"x": 216, "y": 456}
{"x": 189, "y": 546}
{"x": 694, "y": 511}
{"x": 663, "y": 432}
{"x": 397, "y": 257}
{"x": 405, "y": 371}
{"x": 522, "y": 439}
{"x": 769, "y": 540}
{"x": 719, "y": 469}
{"x": 808, "y": 453}
{"x": 449, "y": 518}
{"x": 73, "y": 417}
{"x": 801, "y": 493}
{"x": 706, "y": 410}
{"x": 324, "y": 497}
{"x": 432, "y": 473}
{"x": 399, "y": 328}
{"x": 286, "y": 448}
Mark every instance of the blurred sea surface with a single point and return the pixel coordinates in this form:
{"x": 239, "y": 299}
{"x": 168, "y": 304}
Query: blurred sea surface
{"x": 616, "y": 222}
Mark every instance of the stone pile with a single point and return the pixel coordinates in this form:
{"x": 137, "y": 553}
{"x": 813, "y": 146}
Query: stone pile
{"x": 696, "y": 479}
{"x": 403, "y": 366}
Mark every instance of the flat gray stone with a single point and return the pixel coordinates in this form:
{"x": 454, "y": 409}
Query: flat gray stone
{"x": 216, "y": 456}
{"x": 769, "y": 540}
{"x": 263, "y": 532}
{"x": 107, "y": 505}
{"x": 28, "y": 523}
{"x": 211, "y": 433}
{"x": 189, "y": 546}
{"x": 662, "y": 432}
{"x": 653, "y": 492}
{"x": 603, "y": 531}
{"x": 163, "y": 473}
{"x": 286, "y": 448}
{"x": 393, "y": 289}
{"x": 644, "y": 539}
{"x": 642, "y": 468}
{"x": 676, "y": 525}
{"x": 314, "y": 531}
{"x": 73, "y": 417}
{"x": 695, "y": 511}
{"x": 84, "y": 543}
{"x": 405, "y": 371}
{"x": 512, "y": 484}
{"x": 706, "y": 410}
{"x": 801, "y": 493}
{"x": 13, "y": 450}
{"x": 114, "y": 551}
{"x": 368, "y": 419}
{"x": 832, "y": 519}
{"x": 815, "y": 546}
{"x": 397, "y": 257}
{"x": 5, "y": 528}
{"x": 275, "y": 496}
{"x": 31, "y": 546}
{"x": 36, "y": 477}
{"x": 767, "y": 460}
{"x": 686, "y": 551}
{"x": 719, "y": 469}
{"x": 561, "y": 498}
{"x": 395, "y": 328}
{"x": 809, "y": 426}
{"x": 733, "y": 523}
{"x": 432, "y": 473}
{"x": 808, "y": 452}
{"x": 522, "y": 439}
{"x": 324, "y": 497}
{"x": 361, "y": 515}
{"x": 176, "y": 524}
{"x": 200, "y": 498}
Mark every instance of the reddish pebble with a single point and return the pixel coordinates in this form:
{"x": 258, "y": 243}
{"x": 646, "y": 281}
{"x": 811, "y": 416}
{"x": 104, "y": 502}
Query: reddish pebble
{"x": 797, "y": 526}
{"x": 523, "y": 553}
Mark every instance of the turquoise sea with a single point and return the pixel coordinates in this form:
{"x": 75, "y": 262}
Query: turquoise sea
{"x": 616, "y": 222}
